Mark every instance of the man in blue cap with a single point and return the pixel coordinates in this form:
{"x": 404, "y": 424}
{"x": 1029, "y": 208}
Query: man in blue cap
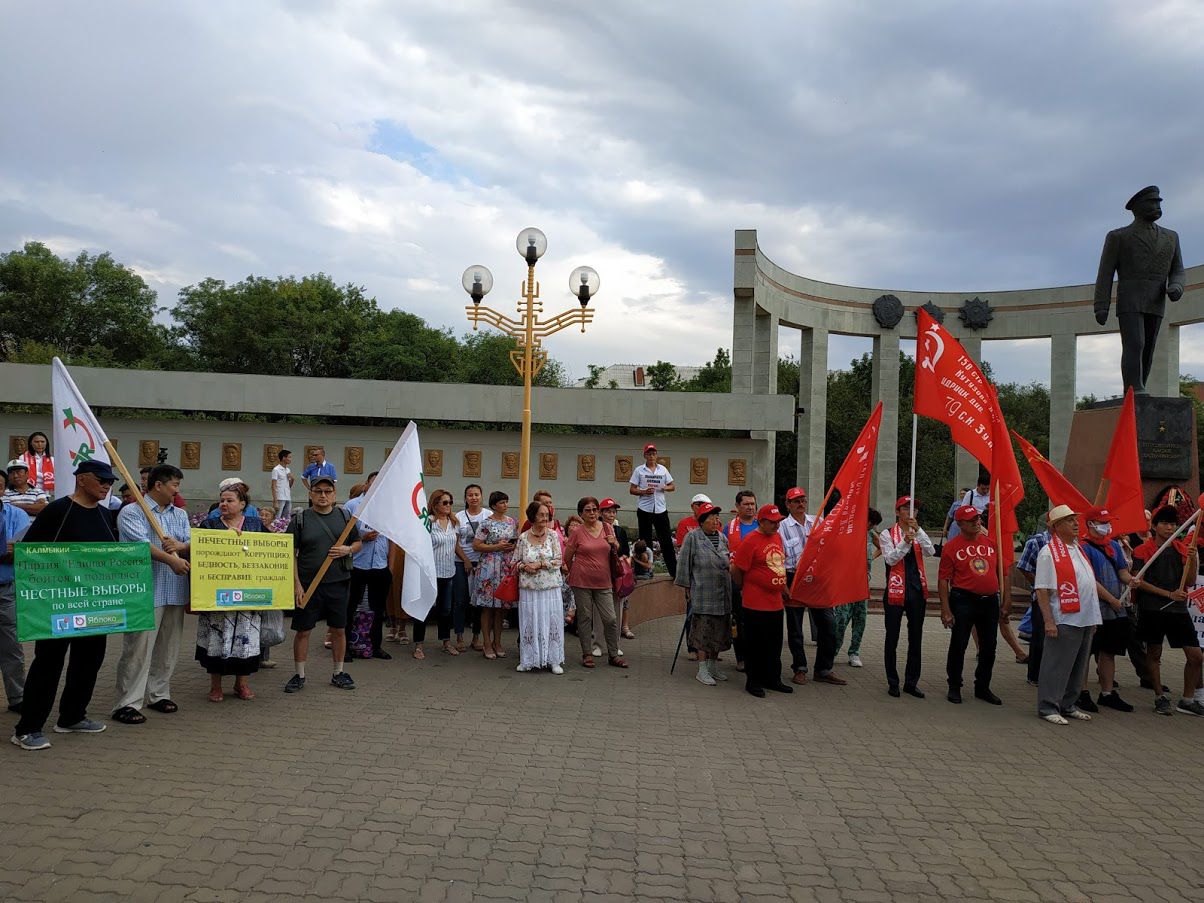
{"x": 78, "y": 517}
{"x": 1149, "y": 266}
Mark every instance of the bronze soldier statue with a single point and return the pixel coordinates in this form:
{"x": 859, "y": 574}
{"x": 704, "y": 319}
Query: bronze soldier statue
{"x": 1147, "y": 259}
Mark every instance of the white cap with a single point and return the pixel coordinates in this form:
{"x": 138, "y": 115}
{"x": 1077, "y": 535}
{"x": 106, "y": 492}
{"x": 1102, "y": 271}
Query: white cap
{"x": 701, "y": 498}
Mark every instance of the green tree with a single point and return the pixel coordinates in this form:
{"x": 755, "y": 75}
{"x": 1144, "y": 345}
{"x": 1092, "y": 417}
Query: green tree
{"x": 484, "y": 357}
{"x": 715, "y": 376}
{"x": 90, "y": 310}
{"x": 399, "y": 345}
{"x": 284, "y": 326}
{"x": 662, "y": 376}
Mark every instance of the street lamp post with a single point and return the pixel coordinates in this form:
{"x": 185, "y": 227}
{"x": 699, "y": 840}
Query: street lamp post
{"x": 529, "y": 330}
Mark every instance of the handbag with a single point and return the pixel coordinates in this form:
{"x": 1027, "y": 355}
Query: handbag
{"x": 616, "y": 563}
{"x": 625, "y": 582}
{"x": 271, "y": 628}
{"x": 507, "y": 588}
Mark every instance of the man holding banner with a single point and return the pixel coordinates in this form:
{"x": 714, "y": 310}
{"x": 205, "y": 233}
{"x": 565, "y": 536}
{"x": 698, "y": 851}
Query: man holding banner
{"x": 903, "y": 549}
{"x": 78, "y": 517}
{"x": 148, "y": 658}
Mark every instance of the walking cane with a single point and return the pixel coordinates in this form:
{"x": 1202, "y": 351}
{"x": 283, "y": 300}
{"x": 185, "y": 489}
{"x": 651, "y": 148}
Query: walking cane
{"x": 677, "y": 651}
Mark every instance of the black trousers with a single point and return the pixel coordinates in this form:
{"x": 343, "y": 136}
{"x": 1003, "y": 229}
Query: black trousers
{"x": 1138, "y": 333}
{"x": 971, "y": 610}
{"x": 442, "y": 610}
{"x": 42, "y": 682}
{"x": 762, "y": 648}
{"x": 738, "y": 643}
{"x": 1036, "y": 643}
{"x": 913, "y": 609}
{"x": 377, "y": 582}
{"x": 823, "y": 628}
{"x": 648, "y": 522}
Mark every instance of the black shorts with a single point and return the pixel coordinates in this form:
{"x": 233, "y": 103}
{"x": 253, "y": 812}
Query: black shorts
{"x": 1175, "y": 626}
{"x": 1112, "y": 637}
{"x": 328, "y": 603}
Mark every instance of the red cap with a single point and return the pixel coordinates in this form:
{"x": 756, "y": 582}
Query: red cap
{"x": 1099, "y": 515}
{"x": 770, "y": 512}
{"x": 704, "y": 511}
{"x": 649, "y": 447}
{"x": 905, "y": 500}
{"x": 795, "y": 493}
{"x": 966, "y": 512}
{"x": 608, "y": 503}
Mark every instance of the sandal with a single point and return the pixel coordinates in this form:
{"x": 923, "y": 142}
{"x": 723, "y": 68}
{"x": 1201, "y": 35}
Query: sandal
{"x": 450, "y": 650}
{"x": 587, "y": 661}
{"x": 244, "y": 692}
{"x": 490, "y": 656}
{"x": 129, "y": 715}
{"x": 627, "y": 634}
{"x": 418, "y": 653}
{"x": 477, "y": 645}
{"x": 166, "y": 706}
{"x": 460, "y": 646}
{"x": 216, "y": 696}
{"x": 500, "y": 653}
{"x": 616, "y": 662}
{"x": 403, "y": 639}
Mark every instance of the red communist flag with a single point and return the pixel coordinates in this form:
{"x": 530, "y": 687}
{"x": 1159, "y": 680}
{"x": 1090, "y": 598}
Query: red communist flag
{"x": 832, "y": 568}
{"x": 1123, "y": 473}
{"x": 950, "y": 387}
{"x": 1059, "y": 489}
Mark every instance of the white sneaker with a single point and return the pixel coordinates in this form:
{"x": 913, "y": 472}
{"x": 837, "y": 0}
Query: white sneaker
{"x": 1079, "y": 716}
{"x": 618, "y": 652}
{"x": 521, "y": 668}
{"x": 556, "y": 669}
{"x": 1055, "y": 718}
{"x": 704, "y": 677}
{"x": 597, "y": 650}
{"x": 854, "y": 661}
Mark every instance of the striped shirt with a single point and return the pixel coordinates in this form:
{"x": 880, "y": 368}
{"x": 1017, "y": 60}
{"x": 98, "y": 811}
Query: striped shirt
{"x": 132, "y": 526}
{"x": 444, "y": 541}
{"x": 468, "y": 526}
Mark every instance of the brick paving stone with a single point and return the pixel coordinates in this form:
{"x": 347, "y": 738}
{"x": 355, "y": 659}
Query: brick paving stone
{"x": 455, "y": 780}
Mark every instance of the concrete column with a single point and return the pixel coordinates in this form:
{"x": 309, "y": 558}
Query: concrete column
{"x": 743, "y": 341}
{"x": 1164, "y": 374}
{"x": 813, "y": 421}
{"x": 886, "y": 390}
{"x": 1063, "y": 363}
{"x": 765, "y": 354}
{"x": 965, "y": 467}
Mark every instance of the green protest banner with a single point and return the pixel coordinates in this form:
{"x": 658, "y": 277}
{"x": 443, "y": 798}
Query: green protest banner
{"x": 70, "y": 589}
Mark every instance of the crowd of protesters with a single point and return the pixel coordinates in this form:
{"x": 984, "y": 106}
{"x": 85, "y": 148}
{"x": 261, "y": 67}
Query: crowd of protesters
{"x": 545, "y": 578}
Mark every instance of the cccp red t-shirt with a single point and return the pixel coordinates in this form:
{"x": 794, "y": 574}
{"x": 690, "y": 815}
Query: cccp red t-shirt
{"x": 763, "y": 560}
{"x": 971, "y": 564}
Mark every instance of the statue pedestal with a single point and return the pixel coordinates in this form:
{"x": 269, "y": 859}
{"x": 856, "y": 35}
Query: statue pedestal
{"x": 1166, "y": 445}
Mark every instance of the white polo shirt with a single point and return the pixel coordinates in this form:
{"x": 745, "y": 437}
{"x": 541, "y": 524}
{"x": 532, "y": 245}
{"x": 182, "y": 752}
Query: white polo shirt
{"x": 644, "y": 477}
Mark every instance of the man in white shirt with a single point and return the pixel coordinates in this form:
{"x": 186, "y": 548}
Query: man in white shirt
{"x": 903, "y": 549}
{"x": 21, "y": 493}
{"x": 282, "y": 484}
{"x": 794, "y": 531}
{"x": 650, "y": 481}
{"x": 1069, "y": 602}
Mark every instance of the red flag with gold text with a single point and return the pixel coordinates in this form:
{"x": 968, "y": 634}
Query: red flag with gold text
{"x": 832, "y": 568}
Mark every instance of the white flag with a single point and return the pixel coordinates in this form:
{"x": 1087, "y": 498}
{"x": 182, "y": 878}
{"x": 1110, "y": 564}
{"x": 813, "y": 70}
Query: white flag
{"x": 77, "y": 433}
{"x": 396, "y": 507}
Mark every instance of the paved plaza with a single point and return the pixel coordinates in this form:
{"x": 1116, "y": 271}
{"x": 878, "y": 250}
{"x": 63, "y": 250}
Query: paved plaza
{"x": 459, "y": 779}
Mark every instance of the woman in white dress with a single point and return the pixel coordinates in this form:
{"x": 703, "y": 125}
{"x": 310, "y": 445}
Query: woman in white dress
{"x": 541, "y": 613}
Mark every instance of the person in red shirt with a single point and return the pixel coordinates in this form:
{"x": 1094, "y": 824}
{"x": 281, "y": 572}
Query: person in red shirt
{"x": 690, "y": 521}
{"x": 969, "y": 590}
{"x": 759, "y": 570}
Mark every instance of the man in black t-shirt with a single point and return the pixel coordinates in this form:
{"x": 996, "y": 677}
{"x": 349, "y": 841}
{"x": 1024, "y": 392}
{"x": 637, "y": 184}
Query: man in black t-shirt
{"x": 1162, "y": 608}
{"x": 315, "y": 532}
{"x": 79, "y": 517}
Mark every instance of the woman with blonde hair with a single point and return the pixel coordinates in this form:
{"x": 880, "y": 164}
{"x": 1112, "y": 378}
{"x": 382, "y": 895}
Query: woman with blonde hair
{"x": 445, "y": 539}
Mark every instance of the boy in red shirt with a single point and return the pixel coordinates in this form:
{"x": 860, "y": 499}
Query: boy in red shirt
{"x": 969, "y": 590}
{"x": 759, "y": 570}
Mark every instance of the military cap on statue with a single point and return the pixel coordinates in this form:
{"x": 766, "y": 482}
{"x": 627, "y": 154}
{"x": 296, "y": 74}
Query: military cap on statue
{"x": 1149, "y": 192}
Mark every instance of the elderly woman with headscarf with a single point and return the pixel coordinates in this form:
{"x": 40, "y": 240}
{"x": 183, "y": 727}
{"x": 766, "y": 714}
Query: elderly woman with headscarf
{"x": 702, "y": 568}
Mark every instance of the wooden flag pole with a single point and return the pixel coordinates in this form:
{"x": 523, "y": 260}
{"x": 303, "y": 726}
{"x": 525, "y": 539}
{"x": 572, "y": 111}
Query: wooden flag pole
{"x": 1101, "y": 494}
{"x": 136, "y": 488}
{"x": 1191, "y": 544}
{"x": 911, "y": 486}
{"x": 313, "y": 584}
{"x": 1004, "y": 592}
{"x": 1183, "y": 526}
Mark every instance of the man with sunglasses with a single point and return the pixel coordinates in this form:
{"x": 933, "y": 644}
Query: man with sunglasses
{"x": 315, "y": 533}
{"x": 78, "y": 517}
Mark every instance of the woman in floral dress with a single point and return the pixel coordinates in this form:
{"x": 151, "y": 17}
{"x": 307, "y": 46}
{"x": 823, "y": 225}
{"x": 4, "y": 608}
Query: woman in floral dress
{"x": 541, "y": 631}
{"x": 495, "y": 540}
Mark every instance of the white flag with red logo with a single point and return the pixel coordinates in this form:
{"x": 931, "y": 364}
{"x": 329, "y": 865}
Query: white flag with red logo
{"x": 395, "y": 505}
{"x": 78, "y": 435}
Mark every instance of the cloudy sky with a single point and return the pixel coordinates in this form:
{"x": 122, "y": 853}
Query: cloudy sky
{"x": 921, "y": 145}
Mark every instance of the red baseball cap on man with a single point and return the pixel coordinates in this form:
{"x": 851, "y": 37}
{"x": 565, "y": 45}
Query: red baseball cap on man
{"x": 608, "y": 503}
{"x": 905, "y": 501}
{"x": 796, "y": 492}
{"x": 1098, "y": 515}
{"x": 966, "y": 512}
{"x": 649, "y": 448}
{"x": 770, "y": 512}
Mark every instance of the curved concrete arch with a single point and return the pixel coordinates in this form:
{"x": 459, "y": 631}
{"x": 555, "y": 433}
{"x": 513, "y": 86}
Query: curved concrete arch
{"x": 767, "y": 296}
